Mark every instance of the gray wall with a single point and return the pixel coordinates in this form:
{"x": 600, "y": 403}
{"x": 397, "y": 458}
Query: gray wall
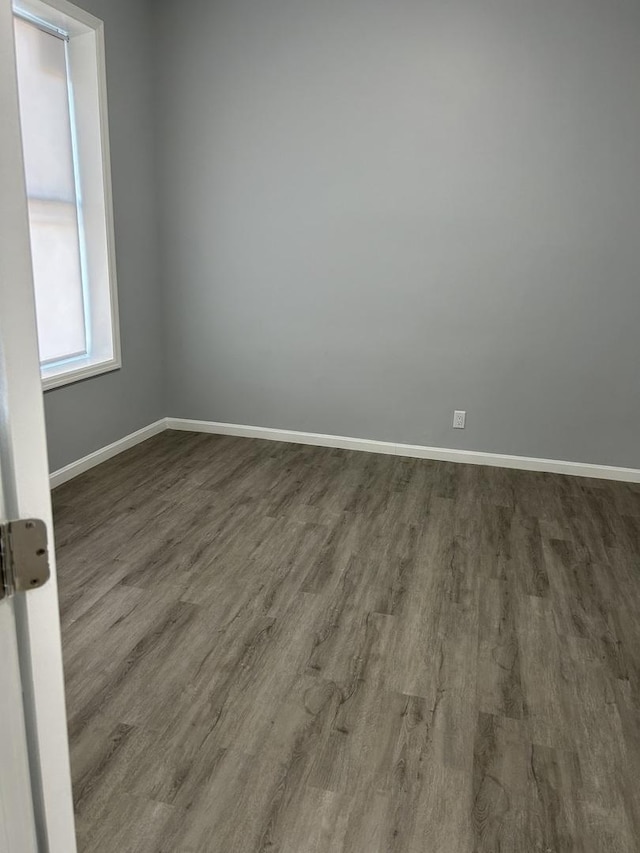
{"x": 375, "y": 212}
{"x": 90, "y": 414}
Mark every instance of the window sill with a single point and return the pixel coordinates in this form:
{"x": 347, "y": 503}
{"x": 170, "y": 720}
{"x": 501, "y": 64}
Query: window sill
{"x": 57, "y": 377}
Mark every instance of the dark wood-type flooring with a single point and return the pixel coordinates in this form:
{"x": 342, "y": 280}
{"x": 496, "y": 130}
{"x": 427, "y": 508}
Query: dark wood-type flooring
{"x": 287, "y": 649}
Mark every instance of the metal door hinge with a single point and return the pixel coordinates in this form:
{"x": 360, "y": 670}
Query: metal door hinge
{"x": 24, "y": 558}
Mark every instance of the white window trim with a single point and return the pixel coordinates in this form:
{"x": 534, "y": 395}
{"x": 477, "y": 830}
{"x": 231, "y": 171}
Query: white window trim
{"x": 88, "y": 68}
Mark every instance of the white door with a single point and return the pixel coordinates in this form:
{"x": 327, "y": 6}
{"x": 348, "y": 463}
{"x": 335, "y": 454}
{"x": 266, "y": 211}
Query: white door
{"x": 17, "y": 824}
{"x": 36, "y": 810}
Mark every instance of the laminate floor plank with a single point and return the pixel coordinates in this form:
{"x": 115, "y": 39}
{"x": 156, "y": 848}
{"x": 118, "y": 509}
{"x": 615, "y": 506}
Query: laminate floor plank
{"x": 278, "y": 648}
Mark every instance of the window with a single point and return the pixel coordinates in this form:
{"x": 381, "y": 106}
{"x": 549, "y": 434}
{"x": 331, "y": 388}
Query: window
{"x": 61, "y": 85}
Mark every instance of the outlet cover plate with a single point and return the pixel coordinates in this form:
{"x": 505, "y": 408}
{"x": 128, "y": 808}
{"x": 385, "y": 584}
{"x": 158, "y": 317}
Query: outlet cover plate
{"x": 459, "y": 419}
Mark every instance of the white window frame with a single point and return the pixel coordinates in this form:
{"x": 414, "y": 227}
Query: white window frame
{"x": 88, "y": 80}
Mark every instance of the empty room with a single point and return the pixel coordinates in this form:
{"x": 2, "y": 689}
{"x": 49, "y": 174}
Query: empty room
{"x": 319, "y": 426}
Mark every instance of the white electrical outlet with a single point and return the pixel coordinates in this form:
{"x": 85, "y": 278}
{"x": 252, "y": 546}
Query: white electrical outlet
{"x": 459, "y": 419}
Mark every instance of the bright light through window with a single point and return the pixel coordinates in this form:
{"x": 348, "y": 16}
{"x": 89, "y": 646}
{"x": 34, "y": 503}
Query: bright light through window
{"x": 51, "y": 191}
{"x": 61, "y": 85}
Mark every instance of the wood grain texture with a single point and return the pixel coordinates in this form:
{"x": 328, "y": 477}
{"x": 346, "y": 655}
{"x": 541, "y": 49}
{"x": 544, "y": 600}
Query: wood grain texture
{"x": 275, "y": 647}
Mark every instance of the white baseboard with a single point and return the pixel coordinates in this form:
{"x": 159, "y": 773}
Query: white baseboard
{"x": 444, "y": 454}
{"x": 471, "y": 457}
{"x": 56, "y": 478}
